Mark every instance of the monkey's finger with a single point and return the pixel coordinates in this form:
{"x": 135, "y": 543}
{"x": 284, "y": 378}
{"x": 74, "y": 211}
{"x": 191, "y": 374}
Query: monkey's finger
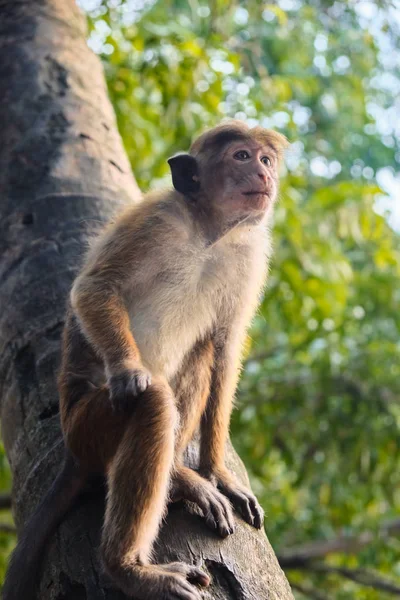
{"x": 138, "y": 383}
{"x": 142, "y": 382}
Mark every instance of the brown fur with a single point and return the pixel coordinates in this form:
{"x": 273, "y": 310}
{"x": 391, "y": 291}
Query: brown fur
{"x": 152, "y": 349}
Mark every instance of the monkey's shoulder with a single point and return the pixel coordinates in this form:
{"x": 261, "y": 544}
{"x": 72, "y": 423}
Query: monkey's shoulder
{"x": 162, "y": 212}
{"x": 161, "y": 219}
{"x": 158, "y": 221}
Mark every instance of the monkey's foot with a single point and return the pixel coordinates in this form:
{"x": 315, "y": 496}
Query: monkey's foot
{"x": 241, "y": 498}
{"x": 174, "y": 581}
{"x": 190, "y": 572}
{"x": 217, "y": 510}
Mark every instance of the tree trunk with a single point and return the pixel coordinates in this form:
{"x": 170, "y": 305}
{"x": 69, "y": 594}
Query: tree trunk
{"x": 63, "y": 171}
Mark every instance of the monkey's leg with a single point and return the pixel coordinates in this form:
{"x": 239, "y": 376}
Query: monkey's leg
{"x": 242, "y": 499}
{"x": 138, "y": 479}
{"x": 122, "y": 445}
{"x": 92, "y": 431}
{"x": 192, "y": 388}
{"x": 214, "y": 434}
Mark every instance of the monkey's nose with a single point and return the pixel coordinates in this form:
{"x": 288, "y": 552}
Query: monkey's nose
{"x": 262, "y": 176}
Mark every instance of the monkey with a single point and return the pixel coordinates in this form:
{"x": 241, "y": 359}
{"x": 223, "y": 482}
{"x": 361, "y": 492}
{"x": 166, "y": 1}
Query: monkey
{"x": 151, "y": 354}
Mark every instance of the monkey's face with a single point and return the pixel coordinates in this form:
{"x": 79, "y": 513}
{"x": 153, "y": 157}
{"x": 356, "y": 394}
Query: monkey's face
{"x": 244, "y": 181}
{"x": 232, "y": 170}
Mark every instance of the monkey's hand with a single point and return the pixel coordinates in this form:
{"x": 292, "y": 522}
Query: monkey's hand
{"x": 241, "y": 498}
{"x": 126, "y": 385}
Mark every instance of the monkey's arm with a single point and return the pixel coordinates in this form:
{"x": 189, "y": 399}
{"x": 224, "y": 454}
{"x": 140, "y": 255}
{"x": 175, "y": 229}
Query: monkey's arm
{"x": 97, "y": 298}
{"x": 97, "y": 301}
{"x": 215, "y": 425}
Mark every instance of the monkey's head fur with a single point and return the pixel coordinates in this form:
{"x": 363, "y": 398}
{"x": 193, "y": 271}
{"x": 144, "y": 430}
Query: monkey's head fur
{"x": 231, "y": 169}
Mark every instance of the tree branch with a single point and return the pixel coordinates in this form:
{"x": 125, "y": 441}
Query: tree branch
{"x": 308, "y": 591}
{"x": 297, "y": 557}
{"x": 7, "y": 528}
{"x": 361, "y": 576}
{"x": 5, "y": 501}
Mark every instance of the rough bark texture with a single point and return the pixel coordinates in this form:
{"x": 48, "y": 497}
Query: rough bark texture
{"x": 62, "y": 171}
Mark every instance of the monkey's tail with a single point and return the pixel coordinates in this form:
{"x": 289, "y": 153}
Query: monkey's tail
{"x": 20, "y": 581}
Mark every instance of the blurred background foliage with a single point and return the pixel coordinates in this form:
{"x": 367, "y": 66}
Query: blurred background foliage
{"x": 319, "y": 411}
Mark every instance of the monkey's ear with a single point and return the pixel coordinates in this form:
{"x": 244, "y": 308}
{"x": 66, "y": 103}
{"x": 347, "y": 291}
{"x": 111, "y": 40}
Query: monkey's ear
{"x": 184, "y": 172}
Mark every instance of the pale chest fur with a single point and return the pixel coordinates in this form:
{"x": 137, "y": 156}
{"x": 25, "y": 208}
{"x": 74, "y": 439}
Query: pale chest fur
{"x": 192, "y": 291}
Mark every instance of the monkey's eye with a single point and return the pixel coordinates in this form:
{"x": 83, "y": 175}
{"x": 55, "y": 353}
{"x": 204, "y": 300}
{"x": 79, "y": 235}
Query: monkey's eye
{"x": 266, "y": 161}
{"x": 241, "y": 155}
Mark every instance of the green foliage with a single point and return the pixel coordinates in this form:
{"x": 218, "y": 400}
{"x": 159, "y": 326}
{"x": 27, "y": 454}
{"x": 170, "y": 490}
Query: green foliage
{"x": 318, "y": 419}
{"x": 319, "y": 416}
{"x": 7, "y": 539}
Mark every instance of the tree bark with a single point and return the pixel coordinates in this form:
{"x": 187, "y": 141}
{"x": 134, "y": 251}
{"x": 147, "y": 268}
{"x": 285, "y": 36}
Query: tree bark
{"x": 63, "y": 171}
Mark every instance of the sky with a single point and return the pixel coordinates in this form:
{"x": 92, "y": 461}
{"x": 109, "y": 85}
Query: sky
{"x": 388, "y": 119}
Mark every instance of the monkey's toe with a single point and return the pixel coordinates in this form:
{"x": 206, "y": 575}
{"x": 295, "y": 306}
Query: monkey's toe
{"x": 183, "y": 590}
{"x": 222, "y": 513}
{"x": 197, "y": 576}
{"x": 252, "y": 511}
{"x": 241, "y": 498}
{"x": 246, "y": 504}
{"x": 190, "y": 572}
{"x": 217, "y": 510}
{"x": 258, "y": 514}
{"x": 221, "y": 519}
{"x": 176, "y": 587}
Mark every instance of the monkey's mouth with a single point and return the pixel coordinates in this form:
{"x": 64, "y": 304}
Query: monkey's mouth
{"x": 257, "y": 200}
{"x": 256, "y": 193}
